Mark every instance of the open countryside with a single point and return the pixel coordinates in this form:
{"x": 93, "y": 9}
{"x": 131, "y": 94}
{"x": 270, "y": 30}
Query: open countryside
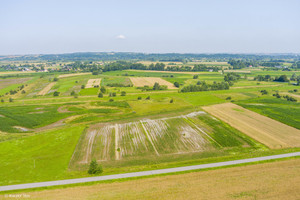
{"x": 150, "y": 99}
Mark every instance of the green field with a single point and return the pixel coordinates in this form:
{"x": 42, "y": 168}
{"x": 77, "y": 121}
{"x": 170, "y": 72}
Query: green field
{"x": 55, "y": 137}
{"x": 278, "y": 109}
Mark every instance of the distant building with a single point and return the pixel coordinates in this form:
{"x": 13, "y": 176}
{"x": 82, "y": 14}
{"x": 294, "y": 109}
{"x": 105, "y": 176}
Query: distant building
{"x": 250, "y": 66}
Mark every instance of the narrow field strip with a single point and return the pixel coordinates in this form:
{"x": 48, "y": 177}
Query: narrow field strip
{"x": 270, "y": 132}
{"x": 90, "y": 146}
{"x": 149, "y": 138}
{"x": 117, "y": 142}
{"x": 144, "y": 173}
{"x": 46, "y": 89}
{"x": 70, "y": 75}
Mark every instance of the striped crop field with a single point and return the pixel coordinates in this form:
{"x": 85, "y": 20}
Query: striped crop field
{"x": 183, "y": 134}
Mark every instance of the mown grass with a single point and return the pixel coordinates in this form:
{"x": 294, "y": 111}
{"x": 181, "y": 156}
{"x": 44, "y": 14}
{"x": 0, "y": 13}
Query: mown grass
{"x": 40, "y": 157}
{"x": 89, "y": 91}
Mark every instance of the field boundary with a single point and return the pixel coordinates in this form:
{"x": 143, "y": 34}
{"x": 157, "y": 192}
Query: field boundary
{"x": 145, "y": 173}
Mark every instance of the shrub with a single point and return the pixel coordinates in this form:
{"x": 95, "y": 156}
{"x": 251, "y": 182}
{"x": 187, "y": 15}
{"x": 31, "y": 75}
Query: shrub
{"x": 2, "y": 100}
{"x": 123, "y": 93}
{"x": 82, "y": 86}
{"x": 264, "y": 92}
{"x": 148, "y": 98}
{"x": 95, "y": 168}
{"x": 11, "y": 100}
{"x": 282, "y": 78}
{"x": 228, "y": 98}
{"x": 56, "y": 93}
{"x": 277, "y": 95}
{"x": 102, "y": 89}
{"x": 55, "y": 79}
{"x": 139, "y": 98}
{"x": 100, "y": 95}
{"x": 111, "y": 100}
{"x": 73, "y": 93}
{"x": 171, "y": 101}
{"x": 176, "y": 84}
{"x": 195, "y": 77}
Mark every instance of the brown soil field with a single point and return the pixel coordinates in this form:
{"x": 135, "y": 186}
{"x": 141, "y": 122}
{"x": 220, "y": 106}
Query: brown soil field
{"x": 142, "y": 81}
{"x": 77, "y": 74}
{"x": 93, "y": 82}
{"x": 270, "y": 132}
{"x": 46, "y": 89}
{"x": 275, "y": 180}
{"x": 7, "y": 82}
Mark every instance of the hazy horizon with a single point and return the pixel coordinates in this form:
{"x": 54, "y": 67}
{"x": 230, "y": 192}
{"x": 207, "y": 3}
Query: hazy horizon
{"x": 199, "y": 27}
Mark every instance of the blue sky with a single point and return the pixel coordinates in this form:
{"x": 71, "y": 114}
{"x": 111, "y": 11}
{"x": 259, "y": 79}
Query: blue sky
{"x": 187, "y": 26}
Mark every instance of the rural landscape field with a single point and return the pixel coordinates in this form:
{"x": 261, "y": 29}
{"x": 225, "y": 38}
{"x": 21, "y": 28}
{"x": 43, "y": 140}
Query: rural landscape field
{"x": 150, "y": 99}
{"x": 55, "y": 123}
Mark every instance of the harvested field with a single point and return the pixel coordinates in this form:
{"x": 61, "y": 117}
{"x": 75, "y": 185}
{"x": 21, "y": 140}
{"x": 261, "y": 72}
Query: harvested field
{"x": 270, "y": 132}
{"x": 93, "y": 82}
{"x": 70, "y": 75}
{"x": 142, "y": 81}
{"x": 173, "y": 135}
{"x": 46, "y": 89}
{"x": 275, "y": 180}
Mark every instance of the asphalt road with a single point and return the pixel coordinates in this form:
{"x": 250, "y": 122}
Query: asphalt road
{"x": 143, "y": 173}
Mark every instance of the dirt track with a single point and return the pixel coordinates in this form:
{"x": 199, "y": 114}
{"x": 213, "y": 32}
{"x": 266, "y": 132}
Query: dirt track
{"x": 46, "y": 89}
{"x": 270, "y": 132}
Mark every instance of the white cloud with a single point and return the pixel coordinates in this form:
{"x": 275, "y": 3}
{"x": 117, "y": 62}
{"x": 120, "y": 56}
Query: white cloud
{"x": 122, "y": 37}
